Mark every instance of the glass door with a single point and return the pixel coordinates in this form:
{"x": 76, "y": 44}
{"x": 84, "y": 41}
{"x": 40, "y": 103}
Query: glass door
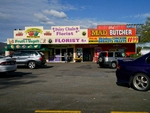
{"x": 62, "y": 54}
{"x": 70, "y": 54}
{"x": 57, "y": 55}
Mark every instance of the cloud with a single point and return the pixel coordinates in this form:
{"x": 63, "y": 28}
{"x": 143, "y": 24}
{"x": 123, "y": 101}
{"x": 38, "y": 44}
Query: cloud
{"x": 55, "y": 13}
{"x": 4, "y": 16}
{"x": 85, "y": 22}
{"x": 57, "y": 5}
{"x": 142, "y": 15}
{"x": 138, "y": 16}
{"x": 19, "y": 14}
{"x": 43, "y": 19}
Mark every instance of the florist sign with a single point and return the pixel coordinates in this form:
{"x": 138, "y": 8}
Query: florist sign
{"x": 65, "y": 31}
{"x": 69, "y": 40}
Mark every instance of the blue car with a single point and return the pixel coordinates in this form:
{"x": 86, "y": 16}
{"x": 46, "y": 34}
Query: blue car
{"x": 135, "y": 72}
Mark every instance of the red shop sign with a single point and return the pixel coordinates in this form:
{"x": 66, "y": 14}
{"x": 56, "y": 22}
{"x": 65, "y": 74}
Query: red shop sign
{"x": 111, "y": 30}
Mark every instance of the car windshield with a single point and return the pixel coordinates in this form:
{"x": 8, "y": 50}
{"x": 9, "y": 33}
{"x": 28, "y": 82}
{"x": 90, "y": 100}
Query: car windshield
{"x": 41, "y": 53}
{"x": 119, "y": 54}
{"x": 1, "y": 56}
{"x": 103, "y": 54}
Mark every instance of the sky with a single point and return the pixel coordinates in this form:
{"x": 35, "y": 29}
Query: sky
{"x": 18, "y": 14}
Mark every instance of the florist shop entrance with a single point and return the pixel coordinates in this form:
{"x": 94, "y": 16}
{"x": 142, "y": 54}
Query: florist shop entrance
{"x": 57, "y": 54}
{"x": 88, "y": 54}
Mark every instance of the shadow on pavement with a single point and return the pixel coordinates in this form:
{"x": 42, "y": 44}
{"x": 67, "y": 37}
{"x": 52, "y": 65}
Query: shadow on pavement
{"x": 13, "y": 74}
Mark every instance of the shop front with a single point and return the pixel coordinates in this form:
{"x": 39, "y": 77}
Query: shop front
{"x": 112, "y": 38}
{"x": 80, "y": 44}
{"x": 90, "y": 52}
{"x": 56, "y": 53}
{"x": 53, "y": 43}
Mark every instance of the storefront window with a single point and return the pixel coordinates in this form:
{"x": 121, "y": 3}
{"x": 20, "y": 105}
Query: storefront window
{"x": 57, "y": 51}
{"x": 51, "y": 54}
{"x": 79, "y": 52}
{"x": 57, "y": 55}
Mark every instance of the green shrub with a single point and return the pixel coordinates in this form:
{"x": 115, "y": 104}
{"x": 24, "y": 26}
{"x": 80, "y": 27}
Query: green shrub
{"x": 135, "y": 55}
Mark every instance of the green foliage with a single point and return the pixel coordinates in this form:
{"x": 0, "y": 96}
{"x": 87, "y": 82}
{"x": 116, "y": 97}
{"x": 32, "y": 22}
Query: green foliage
{"x": 135, "y": 55}
{"x": 138, "y": 49}
{"x": 145, "y": 32}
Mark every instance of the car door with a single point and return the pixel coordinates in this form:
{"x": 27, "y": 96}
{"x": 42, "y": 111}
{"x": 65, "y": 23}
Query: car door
{"x": 110, "y": 56}
{"x": 147, "y": 64}
{"x": 24, "y": 58}
{"x": 16, "y": 55}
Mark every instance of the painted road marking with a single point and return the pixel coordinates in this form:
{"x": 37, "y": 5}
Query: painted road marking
{"x": 67, "y": 111}
{"x": 127, "y": 112}
{"x": 56, "y": 111}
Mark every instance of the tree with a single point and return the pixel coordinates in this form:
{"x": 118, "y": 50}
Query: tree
{"x": 145, "y": 32}
{"x": 138, "y": 49}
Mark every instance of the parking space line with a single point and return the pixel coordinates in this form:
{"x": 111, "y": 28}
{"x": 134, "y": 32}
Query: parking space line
{"x": 127, "y": 112}
{"x": 56, "y": 111}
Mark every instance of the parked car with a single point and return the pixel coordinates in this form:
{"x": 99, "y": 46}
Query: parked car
{"x": 29, "y": 58}
{"x": 135, "y": 72}
{"x": 7, "y": 64}
{"x": 109, "y": 58}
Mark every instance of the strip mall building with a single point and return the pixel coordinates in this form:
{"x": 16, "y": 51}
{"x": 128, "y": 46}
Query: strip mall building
{"x": 71, "y": 39}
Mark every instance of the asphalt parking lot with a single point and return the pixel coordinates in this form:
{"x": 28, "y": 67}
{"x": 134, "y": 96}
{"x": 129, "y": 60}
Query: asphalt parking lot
{"x": 68, "y": 86}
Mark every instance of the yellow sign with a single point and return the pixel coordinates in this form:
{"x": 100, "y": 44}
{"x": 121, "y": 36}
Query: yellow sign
{"x": 56, "y": 111}
{"x": 126, "y": 39}
{"x": 33, "y": 32}
{"x": 132, "y": 39}
{"x": 99, "y": 32}
{"x": 93, "y": 40}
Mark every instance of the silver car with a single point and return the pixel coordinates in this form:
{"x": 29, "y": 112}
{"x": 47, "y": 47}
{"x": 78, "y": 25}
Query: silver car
{"x": 7, "y": 64}
{"x": 109, "y": 58}
{"x": 29, "y": 58}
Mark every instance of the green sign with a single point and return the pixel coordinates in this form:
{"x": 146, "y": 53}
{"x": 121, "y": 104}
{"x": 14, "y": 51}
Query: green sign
{"x": 25, "y": 41}
{"x": 23, "y": 46}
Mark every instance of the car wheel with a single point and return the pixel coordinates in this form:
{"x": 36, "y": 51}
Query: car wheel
{"x": 113, "y": 65}
{"x": 32, "y": 65}
{"x": 141, "y": 82}
{"x": 101, "y": 59}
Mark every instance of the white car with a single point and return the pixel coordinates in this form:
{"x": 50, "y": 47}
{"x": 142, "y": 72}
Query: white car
{"x": 7, "y": 64}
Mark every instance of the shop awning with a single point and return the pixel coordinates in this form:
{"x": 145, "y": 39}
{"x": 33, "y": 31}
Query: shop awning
{"x": 22, "y": 46}
{"x": 44, "y": 49}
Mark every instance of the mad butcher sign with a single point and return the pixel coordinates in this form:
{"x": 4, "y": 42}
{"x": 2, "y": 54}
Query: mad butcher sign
{"x": 66, "y": 31}
{"x": 111, "y": 30}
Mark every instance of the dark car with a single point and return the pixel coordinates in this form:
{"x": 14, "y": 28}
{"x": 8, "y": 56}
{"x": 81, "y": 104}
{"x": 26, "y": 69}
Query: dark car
{"x": 135, "y": 72}
{"x": 29, "y": 58}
